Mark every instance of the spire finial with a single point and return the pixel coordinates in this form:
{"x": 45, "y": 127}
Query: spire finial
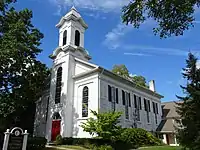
{"x": 73, "y": 8}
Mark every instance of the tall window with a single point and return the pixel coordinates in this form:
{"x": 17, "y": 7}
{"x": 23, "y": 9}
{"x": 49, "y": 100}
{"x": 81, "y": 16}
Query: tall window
{"x": 135, "y": 101}
{"x": 123, "y": 97}
{"x": 58, "y": 85}
{"x": 129, "y": 99}
{"x": 127, "y": 105}
{"x": 109, "y": 93}
{"x": 65, "y": 38}
{"x": 117, "y": 98}
{"x": 77, "y": 38}
{"x": 85, "y": 102}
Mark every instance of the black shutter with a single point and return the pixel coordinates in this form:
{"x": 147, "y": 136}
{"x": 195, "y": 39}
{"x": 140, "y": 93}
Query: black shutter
{"x": 109, "y": 93}
{"x": 123, "y": 97}
{"x": 117, "y": 99}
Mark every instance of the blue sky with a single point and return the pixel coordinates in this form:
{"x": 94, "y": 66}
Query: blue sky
{"x": 110, "y": 42}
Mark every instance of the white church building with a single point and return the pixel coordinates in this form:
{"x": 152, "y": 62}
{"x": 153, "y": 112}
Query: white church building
{"x": 78, "y": 86}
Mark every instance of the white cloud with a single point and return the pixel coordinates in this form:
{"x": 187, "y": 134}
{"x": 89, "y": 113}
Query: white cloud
{"x": 160, "y": 50}
{"x": 102, "y": 5}
{"x": 198, "y": 64}
{"x": 136, "y": 54}
{"x": 113, "y": 38}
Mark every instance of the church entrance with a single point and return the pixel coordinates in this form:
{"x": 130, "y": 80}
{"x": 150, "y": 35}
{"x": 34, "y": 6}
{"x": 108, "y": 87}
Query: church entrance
{"x": 56, "y": 125}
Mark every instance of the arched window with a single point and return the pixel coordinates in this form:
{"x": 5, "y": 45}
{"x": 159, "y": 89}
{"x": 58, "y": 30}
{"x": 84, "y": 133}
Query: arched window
{"x": 65, "y": 38}
{"x": 77, "y": 38}
{"x": 85, "y": 102}
{"x": 58, "y": 85}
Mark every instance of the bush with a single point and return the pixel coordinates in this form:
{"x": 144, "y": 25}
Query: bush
{"x": 36, "y": 143}
{"x": 85, "y": 141}
{"x": 59, "y": 140}
{"x": 136, "y": 137}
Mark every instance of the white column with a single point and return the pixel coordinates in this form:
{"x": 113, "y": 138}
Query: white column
{"x": 6, "y": 139}
{"x": 164, "y": 138}
{"x": 175, "y": 139}
{"x": 25, "y": 140}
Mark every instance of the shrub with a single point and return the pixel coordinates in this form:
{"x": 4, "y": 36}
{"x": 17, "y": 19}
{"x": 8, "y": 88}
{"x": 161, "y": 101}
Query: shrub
{"x": 59, "y": 140}
{"x": 136, "y": 137}
{"x": 84, "y": 141}
{"x": 36, "y": 143}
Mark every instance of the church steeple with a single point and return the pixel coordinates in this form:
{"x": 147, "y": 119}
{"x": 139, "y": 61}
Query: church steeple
{"x": 71, "y": 29}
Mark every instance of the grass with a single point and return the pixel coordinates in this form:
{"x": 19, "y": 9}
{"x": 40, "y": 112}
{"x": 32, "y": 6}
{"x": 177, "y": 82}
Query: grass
{"x": 70, "y": 147}
{"x": 73, "y": 147}
{"x": 161, "y": 148}
{"x": 67, "y": 147}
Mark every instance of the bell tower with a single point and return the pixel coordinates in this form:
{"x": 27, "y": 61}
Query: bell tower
{"x": 71, "y": 29}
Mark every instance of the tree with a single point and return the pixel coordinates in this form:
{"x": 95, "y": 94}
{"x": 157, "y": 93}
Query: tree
{"x": 140, "y": 80}
{"x": 22, "y": 76}
{"x": 189, "y": 108}
{"x": 173, "y": 17}
{"x": 121, "y": 70}
{"x": 104, "y": 125}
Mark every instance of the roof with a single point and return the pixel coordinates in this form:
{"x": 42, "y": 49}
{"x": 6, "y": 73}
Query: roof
{"x": 169, "y": 110}
{"x": 167, "y": 126}
{"x": 73, "y": 14}
{"x": 117, "y": 77}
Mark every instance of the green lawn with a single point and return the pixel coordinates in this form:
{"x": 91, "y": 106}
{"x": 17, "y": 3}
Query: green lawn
{"x": 144, "y": 148}
{"x": 160, "y": 148}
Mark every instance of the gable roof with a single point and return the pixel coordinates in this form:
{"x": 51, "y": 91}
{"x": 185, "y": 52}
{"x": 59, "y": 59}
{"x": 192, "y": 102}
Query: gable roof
{"x": 169, "y": 110}
{"x": 116, "y": 77}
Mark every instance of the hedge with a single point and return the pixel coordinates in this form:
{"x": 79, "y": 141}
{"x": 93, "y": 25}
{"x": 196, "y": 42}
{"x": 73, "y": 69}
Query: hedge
{"x": 129, "y": 138}
{"x": 36, "y": 143}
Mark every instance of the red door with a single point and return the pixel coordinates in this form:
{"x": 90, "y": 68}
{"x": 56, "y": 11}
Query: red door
{"x": 55, "y": 131}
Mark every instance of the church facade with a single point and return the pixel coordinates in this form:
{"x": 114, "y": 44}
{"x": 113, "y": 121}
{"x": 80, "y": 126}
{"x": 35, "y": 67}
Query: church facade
{"x": 78, "y": 86}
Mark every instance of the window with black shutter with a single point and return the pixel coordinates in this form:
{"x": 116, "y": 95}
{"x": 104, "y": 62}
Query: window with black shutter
{"x": 117, "y": 99}
{"x": 140, "y": 103}
{"x": 123, "y": 97}
{"x": 145, "y": 105}
{"x": 135, "y": 101}
{"x": 85, "y": 102}
{"x": 149, "y": 107}
{"x": 129, "y": 99}
{"x": 153, "y": 104}
{"x": 109, "y": 93}
{"x": 58, "y": 85}
{"x": 156, "y": 108}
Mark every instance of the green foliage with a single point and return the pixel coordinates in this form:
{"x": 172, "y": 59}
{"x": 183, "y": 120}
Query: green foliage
{"x": 121, "y": 70}
{"x": 189, "y": 108}
{"x": 104, "y": 125}
{"x": 140, "y": 80}
{"x": 36, "y": 143}
{"x": 173, "y": 17}
{"x": 22, "y": 76}
{"x": 59, "y": 140}
{"x": 136, "y": 137}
